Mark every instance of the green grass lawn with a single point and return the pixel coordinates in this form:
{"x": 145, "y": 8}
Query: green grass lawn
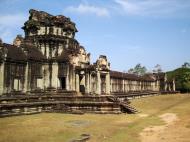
{"x": 56, "y": 127}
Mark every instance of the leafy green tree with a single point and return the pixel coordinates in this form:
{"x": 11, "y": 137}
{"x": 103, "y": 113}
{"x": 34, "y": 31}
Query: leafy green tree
{"x": 138, "y": 70}
{"x": 186, "y": 65}
{"x": 182, "y": 78}
{"x": 157, "y": 69}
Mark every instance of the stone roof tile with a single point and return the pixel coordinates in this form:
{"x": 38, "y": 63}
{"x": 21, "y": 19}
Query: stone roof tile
{"x": 15, "y": 53}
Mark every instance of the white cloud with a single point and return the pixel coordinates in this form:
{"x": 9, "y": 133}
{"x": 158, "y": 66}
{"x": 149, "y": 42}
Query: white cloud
{"x": 152, "y": 7}
{"x": 9, "y": 24}
{"x": 88, "y": 9}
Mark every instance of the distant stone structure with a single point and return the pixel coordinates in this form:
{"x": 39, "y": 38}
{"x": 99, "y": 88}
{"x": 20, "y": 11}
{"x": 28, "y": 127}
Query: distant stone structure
{"x": 49, "y": 58}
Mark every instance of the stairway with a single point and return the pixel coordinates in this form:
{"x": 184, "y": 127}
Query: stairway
{"x": 125, "y": 107}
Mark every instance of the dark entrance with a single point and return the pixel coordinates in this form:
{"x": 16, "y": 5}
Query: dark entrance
{"x": 63, "y": 82}
{"x": 103, "y": 84}
{"x": 82, "y": 87}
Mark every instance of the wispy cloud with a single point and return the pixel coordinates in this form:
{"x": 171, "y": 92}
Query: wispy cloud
{"x": 88, "y": 9}
{"x": 9, "y": 24}
{"x": 152, "y": 7}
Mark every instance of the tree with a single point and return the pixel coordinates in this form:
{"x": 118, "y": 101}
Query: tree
{"x": 138, "y": 70}
{"x": 157, "y": 69}
{"x": 182, "y": 78}
{"x": 186, "y": 65}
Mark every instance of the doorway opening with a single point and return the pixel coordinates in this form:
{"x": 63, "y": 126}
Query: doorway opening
{"x": 82, "y": 83}
{"x": 63, "y": 83}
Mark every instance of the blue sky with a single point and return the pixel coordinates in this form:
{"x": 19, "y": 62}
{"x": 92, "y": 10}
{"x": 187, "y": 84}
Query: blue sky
{"x": 149, "y": 32}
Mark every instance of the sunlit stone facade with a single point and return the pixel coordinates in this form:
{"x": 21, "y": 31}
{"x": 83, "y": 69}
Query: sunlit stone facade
{"x": 49, "y": 58}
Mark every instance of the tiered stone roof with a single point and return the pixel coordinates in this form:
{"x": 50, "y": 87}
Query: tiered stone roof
{"x": 134, "y": 77}
{"x": 44, "y": 18}
{"x": 14, "y": 53}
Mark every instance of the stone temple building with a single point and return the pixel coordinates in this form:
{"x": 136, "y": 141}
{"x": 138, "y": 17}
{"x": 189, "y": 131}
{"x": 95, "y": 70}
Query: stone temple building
{"x": 49, "y": 58}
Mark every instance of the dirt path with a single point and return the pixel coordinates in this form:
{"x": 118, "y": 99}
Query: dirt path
{"x": 172, "y": 131}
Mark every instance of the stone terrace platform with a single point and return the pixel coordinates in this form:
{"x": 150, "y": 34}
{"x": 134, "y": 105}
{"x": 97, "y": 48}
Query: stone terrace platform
{"x": 56, "y": 102}
{"x": 68, "y": 102}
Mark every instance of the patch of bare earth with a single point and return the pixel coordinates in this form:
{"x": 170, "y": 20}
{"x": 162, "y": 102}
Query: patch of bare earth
{"x": 172, "y": 131}
{"x": 143, "y": 115}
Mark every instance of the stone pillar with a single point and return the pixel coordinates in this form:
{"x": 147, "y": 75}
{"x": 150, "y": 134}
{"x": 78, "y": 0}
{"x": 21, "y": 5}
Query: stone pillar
{"x": 111, "y": 85}
{"x": 123, "y": 85}
{"x": 77, "y": 82}
{"x": 98, "y": 86}
{"x": 158, "y": 85}
{"x": 173, "y": 85}
{"x": 73, "y": 79}
{"x": 165, "y": 86}
{"x": 55, "y": 80}
{"x": 46, "y": 76}
{"x": 126, "y": 85}
{"x": 165, "y": 83}
{"x": 90, "y": 82}
{"x": 135, "y": 85}
{"x": 39, "y": 83}
{"x": 47, "y": 50}
{"x": 2, "y": 67}
{"x": 132, "y": 85}
{"x": 16, "y": 84}
{"x": 87, "y": 83}
{"x": 108, "y": 83}
{"x": 143, "y": 86}
{"x": 155, "y": 86}
{"x": 67, "y": 79}
{"x": 82, "y": 81}
{"x": 26, "y": 78}
{"x": 70, "y": 78}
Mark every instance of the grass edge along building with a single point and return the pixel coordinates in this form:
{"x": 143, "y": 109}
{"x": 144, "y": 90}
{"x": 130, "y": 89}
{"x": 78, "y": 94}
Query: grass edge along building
{"x": 49, "y": 58}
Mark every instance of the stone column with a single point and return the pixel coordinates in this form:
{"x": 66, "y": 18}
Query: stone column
{"x": 55, "y": 80}
{"x": 165, "y": 86}
{"x": 77, "y": 82}
{"x": 143, "y": 86}
{"x": 90, "y": 82}
{"x": 46, "y": 76}
{"x": 123, "y": 85}
{"x": 39, "y": 83}
{"x": 165, "y": 83}
{"x": 67, "y": 79}
{"x": 173, "y": 85}
{"x": 73, "y": 79}
{"x": 155, "y": 86}
{"x": 87, "y": 83}
{"x": 158, "y": 85}
{"x": 47, "y": 50}
{"x": 111, "y": 86}
{"x": 2, "y": 67}
{"x": 108, "y": 83}
{"x": 135, "y": 85}
{"x": 26, "y": 78}
{"x": 98, "y": 86}
{"x": 70, "y": 78}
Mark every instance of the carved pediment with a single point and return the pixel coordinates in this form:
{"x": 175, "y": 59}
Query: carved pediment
{"x": 102, "y": 63}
